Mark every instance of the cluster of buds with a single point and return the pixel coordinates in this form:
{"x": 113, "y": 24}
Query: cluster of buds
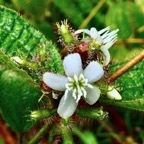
{"x": 85, "y": 55}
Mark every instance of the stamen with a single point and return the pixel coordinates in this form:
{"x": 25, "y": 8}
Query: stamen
{"x": 84, "y": 92}
{"x": 76, "y": 78}
{"x": 86, "y": 81}
{"x": 77, "y": 85}
{"x": 68, "y": 86}
{"x": 70, "y": 79}
{"x": 90, "y": 86}
{"x": 78, "y": 98}
{"x": 74, "y": 93}
{"x": 81, "y": 76}
{"x": 79, "y": 90}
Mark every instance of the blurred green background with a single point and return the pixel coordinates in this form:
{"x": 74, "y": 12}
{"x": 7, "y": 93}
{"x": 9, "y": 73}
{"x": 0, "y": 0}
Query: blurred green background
{"x": 123, "y": 126}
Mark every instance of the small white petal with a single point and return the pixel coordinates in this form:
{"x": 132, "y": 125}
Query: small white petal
{"x": 104, "y": 30}
{"x": 55, "y": 81}
{"x": 92, "y": 95}
{"x": 83, "y": 30}
{"x": 113, "y": 94}
{"x": 107, "y": 55}
{"x": 72, "y": 64}
{"x": 93, "y": 71}
{"x": 67, "y": 107}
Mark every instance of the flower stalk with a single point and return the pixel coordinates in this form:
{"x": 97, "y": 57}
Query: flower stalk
{"x": 66, "y": 132}
{"x": 39, "y": 135}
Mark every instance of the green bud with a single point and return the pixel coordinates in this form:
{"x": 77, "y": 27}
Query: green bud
{"x": 65, "y": 32}
{"x": 41, "y": 114}
{"x": 92, "y": 113}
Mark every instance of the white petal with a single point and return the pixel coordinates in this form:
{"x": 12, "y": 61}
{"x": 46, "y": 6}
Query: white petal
{"x": 107, "y": 55}
{"x": 55, "y": 81}
{"x": 67, "y": 107}
{"x": 95, "y": 35}
{"x": 113, "y": 94}
{"x": 92, "y": 95}
{"x": 93, "y": 71}
{"x": 72, "y": 65}
{"x": 104, "y": 30}
{"x": 83, "y": 30}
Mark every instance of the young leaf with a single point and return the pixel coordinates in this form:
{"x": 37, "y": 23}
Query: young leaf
{"x": 18, "y": 95}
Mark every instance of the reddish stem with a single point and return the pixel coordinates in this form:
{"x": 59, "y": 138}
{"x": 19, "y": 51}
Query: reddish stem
{"x": 126, "y": 67}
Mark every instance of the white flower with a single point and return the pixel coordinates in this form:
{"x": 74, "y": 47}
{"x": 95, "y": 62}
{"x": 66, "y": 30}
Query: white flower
{"x": 103, "y": 39}
{"x": 77, "y": 84}
{"x": 113, "y": 94}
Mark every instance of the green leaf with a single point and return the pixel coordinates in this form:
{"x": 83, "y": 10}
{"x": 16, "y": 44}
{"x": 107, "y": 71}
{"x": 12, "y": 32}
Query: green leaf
{"x": 18, "y": 95}
{"x": 126, "y": 17}
{"x": 33, "y": 8}
{"x": 86, "y": 137}
{"x": 18, "y": 38}
{"x": 132, "y": 87}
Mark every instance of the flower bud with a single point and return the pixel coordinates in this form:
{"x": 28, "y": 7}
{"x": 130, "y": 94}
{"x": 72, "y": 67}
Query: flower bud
{"x": 96, "y": 113}
{"x": 41, "y": 114}
{"x": 64, "y": 31}
{"x": 113, "y": 94}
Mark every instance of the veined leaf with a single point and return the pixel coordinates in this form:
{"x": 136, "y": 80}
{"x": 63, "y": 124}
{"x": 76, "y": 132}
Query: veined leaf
{"x": 132, "y": 87}
{"x": 126, "y": 17}
{"x": 18, "y": 38}
{"x": 33, "y": 8}
{"x": 18, "y": 95}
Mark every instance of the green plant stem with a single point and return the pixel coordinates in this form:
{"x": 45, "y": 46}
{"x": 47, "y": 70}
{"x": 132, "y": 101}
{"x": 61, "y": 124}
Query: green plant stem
{"x": 20, "y": 137}
{"x": 92, "y": 14}
{"x": 126, "y": 67}
{"x": 130, "y": 41}
{"x": 39, "y": 135}
{"x": 112, "y": 132}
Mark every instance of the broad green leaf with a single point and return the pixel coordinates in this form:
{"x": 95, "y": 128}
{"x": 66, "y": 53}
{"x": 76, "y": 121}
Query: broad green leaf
{"x": 18, "y": 95}
{"x": 18, "y": 38}
{"x": 132, "y": 87}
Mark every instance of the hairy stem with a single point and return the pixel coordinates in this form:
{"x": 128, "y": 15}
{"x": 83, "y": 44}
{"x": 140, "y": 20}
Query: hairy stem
{"x": 126, "y": 67}
{"x": 39, "y": 135}
{"x": 92, "y": 14}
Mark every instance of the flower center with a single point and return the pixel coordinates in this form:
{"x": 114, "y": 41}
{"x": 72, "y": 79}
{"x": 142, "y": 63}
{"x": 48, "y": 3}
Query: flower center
{"x": 77, "y": 86}
{"x": 94, "y": 44}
